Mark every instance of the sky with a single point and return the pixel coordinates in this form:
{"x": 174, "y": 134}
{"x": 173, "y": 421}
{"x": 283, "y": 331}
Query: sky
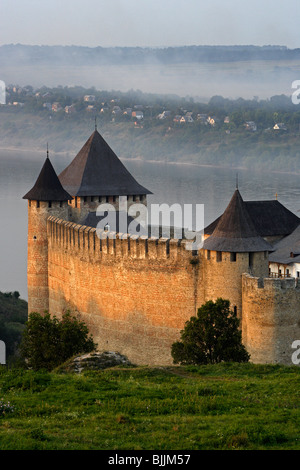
{"x": 150, "y": 23}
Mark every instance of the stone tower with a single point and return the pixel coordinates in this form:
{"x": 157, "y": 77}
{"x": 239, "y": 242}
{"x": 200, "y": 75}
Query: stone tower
{"x": 97, "y": 176}
{"x": 46, "y": 198}
{"x": 233, "y": 248}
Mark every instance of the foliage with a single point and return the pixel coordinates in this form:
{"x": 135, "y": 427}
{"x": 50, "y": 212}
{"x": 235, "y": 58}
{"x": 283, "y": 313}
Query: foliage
{"x": 212, "y": 336}
{"x": 48, "y": 341}
{"x": 13, "y": 315}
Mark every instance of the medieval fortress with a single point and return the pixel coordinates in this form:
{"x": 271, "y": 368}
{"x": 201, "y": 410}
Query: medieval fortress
{"x": 134, "y": 292}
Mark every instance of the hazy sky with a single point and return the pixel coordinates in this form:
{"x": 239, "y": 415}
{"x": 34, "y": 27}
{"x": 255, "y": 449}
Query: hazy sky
{"x": 150, "y": 22}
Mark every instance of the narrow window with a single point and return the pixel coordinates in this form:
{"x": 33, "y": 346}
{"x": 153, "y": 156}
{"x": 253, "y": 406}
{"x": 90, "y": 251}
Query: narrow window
{"x": 37, "y": 203}
{"x": 288, "y": 273}
{"x": 232, "y": 257}
{"x": 235, "y": 309}
{"x": 298, "y": 273}
{"x": 251, "y": 255}
{"x": 49, "y": 204}
{"x": 208, "y": 254}
{"x": 219, "y": 256}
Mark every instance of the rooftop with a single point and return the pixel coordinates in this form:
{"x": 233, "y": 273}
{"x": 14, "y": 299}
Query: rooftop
{"x": 47, "y": 186}
{"x": 287, "y": 250}
{"x": 270, "y": 218}
{"x": 235, "y": 230}
{"x": 97, "y": 171}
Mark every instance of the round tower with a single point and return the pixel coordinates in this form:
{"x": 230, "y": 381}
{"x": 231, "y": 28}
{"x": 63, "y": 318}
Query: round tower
{"x": 233, "y": 248}
{"x": 46, "y": 198}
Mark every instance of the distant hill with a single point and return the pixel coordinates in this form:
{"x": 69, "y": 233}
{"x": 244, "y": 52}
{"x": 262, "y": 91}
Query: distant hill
{"x": 77, "y": 55}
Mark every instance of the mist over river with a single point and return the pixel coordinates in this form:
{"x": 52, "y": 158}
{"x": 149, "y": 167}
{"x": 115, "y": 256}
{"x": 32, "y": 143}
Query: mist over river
{"x": 183, "y": 184}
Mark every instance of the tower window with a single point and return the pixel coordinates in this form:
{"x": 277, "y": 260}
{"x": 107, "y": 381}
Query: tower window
{"x": 251, "y": 256}
{"x": 233, "y": 257}
{"x": 208, "y": 254}
{"x": 219, "y": 256}
{"x": 37, "y": 203}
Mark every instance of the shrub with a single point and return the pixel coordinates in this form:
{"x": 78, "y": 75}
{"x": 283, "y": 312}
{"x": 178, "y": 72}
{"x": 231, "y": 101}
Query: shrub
{"x": 210, "y": 337}
{"x": 48, "y": 342}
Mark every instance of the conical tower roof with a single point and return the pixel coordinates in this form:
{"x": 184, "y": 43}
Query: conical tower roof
{"x": 97, "y": 171}
{"x": 235, "y": 231}
{"x": 48, "y": 186}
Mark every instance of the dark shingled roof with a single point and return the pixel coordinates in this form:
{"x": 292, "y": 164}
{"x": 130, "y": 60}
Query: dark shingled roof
{"x": 286, "y": 247}
{"x": 270, "y": 218}
{"x": 97, "y": 171}
{"x": 235, "y": 231}
{"x": 47, "y": 186}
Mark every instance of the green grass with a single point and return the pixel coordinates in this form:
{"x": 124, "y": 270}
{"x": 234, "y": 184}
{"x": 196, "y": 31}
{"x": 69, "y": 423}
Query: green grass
{"x": 227, "y": 406}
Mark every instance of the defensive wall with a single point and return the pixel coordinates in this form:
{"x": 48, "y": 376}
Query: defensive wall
{"x": 271, "y": 318}
{"x": 134, "y": 293}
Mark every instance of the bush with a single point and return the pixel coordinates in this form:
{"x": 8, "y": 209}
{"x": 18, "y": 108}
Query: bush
{"x": 48, "y": 342}
{"x": 212, "y": 336}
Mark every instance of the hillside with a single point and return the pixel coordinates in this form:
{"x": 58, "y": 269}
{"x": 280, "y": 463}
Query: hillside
{"x": 222, "y": 132}
{"x": 220, "y": 407}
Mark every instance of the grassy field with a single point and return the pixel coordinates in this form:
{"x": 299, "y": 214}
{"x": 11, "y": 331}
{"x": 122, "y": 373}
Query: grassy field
{"x": 220, "y": 407}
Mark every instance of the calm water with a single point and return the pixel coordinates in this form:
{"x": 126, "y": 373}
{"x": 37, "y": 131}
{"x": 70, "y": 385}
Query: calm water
{"x": 169, "y": 183}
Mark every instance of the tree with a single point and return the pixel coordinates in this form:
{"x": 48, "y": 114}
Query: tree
{"x": 48, "y": 341}
{"x": 210, "y": 337}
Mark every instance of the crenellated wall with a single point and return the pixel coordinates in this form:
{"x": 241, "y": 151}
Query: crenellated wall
{"x": 134, "y": 293}
{"x": 271, "y": 318}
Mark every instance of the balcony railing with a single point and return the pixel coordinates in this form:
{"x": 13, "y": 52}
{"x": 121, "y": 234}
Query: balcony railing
{"x": 279, "y": 275}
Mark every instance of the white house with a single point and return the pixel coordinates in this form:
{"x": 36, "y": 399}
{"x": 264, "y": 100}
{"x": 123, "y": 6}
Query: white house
{"x": 185, "y": 119}
{"x": 285, "y": 260}
{"x": 89, "y": 98}
{"x": 280, "y": 126}
{"x": 251, "y": 126}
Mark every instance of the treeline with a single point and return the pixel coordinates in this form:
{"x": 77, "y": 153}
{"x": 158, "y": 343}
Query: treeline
{"x": 13, "y": 316}
{"x": 78, "y": 55}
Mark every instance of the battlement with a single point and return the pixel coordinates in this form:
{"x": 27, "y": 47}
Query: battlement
{"x": 274, "y": 284}
{"x": 100, "y": 242}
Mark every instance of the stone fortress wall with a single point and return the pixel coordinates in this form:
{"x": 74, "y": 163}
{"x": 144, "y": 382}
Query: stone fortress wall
{"x": 136, "y": 293}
